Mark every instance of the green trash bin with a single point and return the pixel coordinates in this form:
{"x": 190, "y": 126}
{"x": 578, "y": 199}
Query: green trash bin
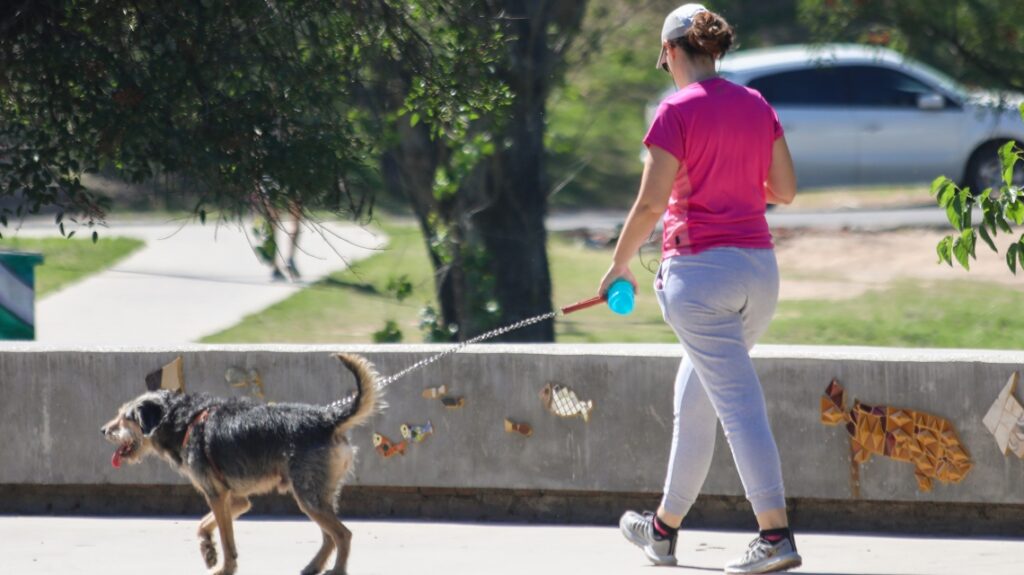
{"x": 18, "y": 294}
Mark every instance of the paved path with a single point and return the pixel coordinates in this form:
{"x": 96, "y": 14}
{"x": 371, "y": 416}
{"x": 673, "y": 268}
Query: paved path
{"x": 187, "y": 282}
{"x": 113, "y": 546}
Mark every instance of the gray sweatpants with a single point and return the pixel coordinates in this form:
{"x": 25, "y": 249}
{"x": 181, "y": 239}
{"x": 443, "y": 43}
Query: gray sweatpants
{"x": 719, "y": 302}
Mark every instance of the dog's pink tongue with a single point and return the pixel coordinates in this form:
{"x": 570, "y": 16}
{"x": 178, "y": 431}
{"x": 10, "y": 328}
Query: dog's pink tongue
{"x": 116, "y": 459}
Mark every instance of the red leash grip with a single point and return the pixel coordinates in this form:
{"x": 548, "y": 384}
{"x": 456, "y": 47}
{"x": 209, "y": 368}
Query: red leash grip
{"x": 583, "y": 304}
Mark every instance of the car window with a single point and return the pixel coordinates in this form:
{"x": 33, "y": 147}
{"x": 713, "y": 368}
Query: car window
{"x": 875, "y": 86}
{"x": 824, "y": 86}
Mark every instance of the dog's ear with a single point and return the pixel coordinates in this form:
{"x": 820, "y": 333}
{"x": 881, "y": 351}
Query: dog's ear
{"x": 149, "y": 415}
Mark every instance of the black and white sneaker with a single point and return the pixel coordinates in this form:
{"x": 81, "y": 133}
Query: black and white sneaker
{"x": 763, "y": 556}
{"x": 639, "y": 529}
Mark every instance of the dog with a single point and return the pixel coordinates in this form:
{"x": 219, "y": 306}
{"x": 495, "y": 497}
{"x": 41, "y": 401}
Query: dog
{"x": 231, "y": 449}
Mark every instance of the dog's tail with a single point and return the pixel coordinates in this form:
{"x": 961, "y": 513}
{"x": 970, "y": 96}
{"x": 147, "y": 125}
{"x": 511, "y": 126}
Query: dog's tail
{"x": 368, "y": 399}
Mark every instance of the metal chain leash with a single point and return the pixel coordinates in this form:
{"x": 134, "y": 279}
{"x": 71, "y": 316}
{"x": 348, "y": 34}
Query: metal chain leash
{"x": 455, "y": 349}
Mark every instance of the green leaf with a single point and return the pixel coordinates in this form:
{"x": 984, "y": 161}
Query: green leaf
{"x": 414, "y": 119}
{"x": 970, "y": 239}
{"x": 947, "y": 193}
{"x": 1011, "y": 257}
{"x": 61, "y": 226}
{"x": 989, "y": 211}
{"x": 938, "y": 188}
{"x": 1015, "y": 211}
{"x": 953, "y": 214}
{"x": 945, "y": 249}
{"x": 1008, "y": 156}
{"x": 72, "y": 234}
{"x": 202, "y": 216}
{"x": 1003, "y": 225}
{"x": 962, "y": 253}
{"x": 987, "y": 238}
{"x": 95, "y": 237}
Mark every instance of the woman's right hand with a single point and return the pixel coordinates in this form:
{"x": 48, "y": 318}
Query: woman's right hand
{"x": 616, "y": 271}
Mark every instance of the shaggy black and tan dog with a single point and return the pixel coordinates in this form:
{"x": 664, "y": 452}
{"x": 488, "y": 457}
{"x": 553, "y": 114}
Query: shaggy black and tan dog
{"x": 231, "y": 449}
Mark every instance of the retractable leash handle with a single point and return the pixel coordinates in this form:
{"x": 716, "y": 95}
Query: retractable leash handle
{"x": 584, "y": 304}
{"x": 619, "y": 298}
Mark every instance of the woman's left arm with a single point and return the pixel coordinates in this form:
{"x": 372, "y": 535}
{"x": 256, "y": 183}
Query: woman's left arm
{"x": 652, "y": 199}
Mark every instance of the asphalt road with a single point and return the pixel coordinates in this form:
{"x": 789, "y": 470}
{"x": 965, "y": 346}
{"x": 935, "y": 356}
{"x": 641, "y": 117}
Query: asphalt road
{"x": 160, "y": 546}
{"x": 871, "y": 220}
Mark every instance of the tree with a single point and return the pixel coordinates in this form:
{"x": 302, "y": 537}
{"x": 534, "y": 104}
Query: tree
{"x": 481, "y": 199}
{"x": 979, "y": 41}
{"x": 254, "y": 103}
{"x": 998, "y": 208}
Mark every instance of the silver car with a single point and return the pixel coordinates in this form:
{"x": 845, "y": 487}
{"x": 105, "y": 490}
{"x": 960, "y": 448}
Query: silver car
{"x": 862, "y": 115}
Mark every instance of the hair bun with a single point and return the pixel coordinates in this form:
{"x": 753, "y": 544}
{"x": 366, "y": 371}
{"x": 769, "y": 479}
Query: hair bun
{"x": 710, "y": 35}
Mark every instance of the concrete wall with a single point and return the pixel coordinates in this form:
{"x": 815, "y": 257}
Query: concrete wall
{"x": 53, "y": 401}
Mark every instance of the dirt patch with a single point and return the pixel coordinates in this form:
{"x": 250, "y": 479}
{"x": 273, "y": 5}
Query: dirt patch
{"x": 842, "y": 265}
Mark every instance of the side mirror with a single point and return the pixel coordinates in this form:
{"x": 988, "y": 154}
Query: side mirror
{"x": 931, "y": 101}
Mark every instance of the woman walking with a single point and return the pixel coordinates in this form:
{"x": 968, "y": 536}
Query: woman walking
{"x": 717, "y": 155}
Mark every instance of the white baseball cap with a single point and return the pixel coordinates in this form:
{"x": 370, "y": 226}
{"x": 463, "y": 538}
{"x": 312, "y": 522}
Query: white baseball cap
{"x": 676, "y": 25}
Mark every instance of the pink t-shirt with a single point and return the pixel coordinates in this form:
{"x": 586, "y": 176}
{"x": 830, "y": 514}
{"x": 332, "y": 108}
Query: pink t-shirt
{"x": 722, "y": 134}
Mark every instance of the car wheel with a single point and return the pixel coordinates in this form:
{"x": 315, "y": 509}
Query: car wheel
{"x": 986, "y": 171}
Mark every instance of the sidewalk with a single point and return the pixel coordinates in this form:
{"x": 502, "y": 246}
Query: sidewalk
{"x": 187, "y": 282}
{"x": 114, "y": 546}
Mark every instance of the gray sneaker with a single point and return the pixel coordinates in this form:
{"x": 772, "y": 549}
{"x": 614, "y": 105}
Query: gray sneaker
{"x": 639, "y": 529}
{"x": 765, "y": 557}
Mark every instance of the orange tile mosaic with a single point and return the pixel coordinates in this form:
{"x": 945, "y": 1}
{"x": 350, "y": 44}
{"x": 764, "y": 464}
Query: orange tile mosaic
{"x": 928, "y": 442}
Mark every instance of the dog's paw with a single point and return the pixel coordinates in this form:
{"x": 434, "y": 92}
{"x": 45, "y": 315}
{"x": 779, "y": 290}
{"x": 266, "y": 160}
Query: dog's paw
{"x": 225, "y": 569}
{"x": 209, "y": 552}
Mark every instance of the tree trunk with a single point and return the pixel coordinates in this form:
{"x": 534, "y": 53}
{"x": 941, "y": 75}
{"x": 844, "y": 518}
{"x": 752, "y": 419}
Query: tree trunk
{"x": 503, "y": 202}
{"x": 512, "y": 224}
{"x": 408, "y": 169}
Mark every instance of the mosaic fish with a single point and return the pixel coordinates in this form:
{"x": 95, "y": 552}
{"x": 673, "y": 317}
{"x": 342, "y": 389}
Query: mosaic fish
{"x": 523, "y": 429}
{"x": 417, "y": 433}
{"x": 563, "y": 402}
{"x": 435, "y": 392}
{"x": 386, "y": 448}
{"x": 453, "y": 402}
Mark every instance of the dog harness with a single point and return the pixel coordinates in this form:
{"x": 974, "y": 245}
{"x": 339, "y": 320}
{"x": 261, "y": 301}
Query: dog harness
{"x": 200, "y": 421}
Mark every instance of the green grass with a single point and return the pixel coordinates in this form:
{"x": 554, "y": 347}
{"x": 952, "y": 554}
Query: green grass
{"x": 69, "y": 260}
{"x": 350, "y": 305}
{"x": 953, "y": 314}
